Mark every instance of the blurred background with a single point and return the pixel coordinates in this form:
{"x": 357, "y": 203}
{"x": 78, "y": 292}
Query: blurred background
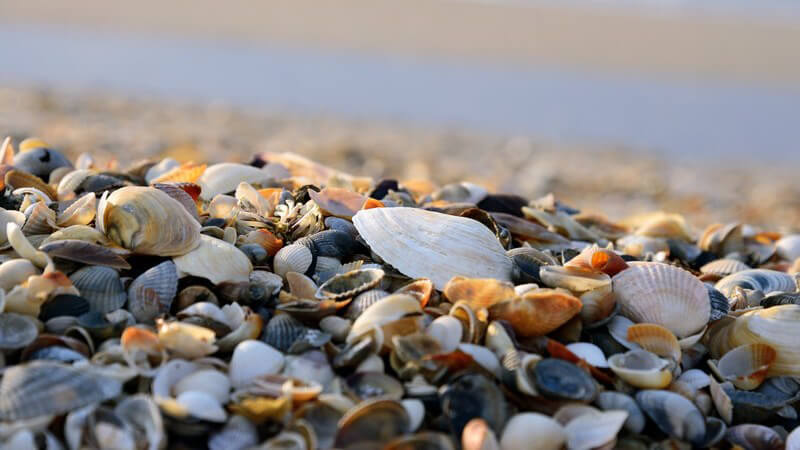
{"x": 615, "y": 106}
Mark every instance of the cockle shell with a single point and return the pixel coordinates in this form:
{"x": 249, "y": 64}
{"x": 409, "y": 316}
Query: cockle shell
{"x": 664, "y": 295}
{"x": 422, "y": 243}
{"x": 148, "y": 221}
{"x": 747, "y": 365}
{"x": 641, "y": 369}
{"x": 40, "y": 219}
{"x": 655, "y": 339}
{"x": 215, "y": 260}
{"x": 724, "y": 267}
{"x": 152, "y": 292}
{"x": 763, "y": 280}
{"x": 225, "y": 177}
{"x": 101, "y": 286}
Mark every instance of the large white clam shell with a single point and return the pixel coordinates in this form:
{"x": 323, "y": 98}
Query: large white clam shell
{"x": 595, "y": 429}
{"x": 525, "y": 429}
{"x": 426, "y": 244}
{"x": 664, "y": 295}
{"x": 251, "y": 359}
{"x": 215, "y": 260}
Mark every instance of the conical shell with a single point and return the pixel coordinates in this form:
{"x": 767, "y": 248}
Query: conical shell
{"x": 101, "y": 286}
{"x": 148, "y": 221}
{"x": 537, "y": 312}
{"x": 776, "y": 327}
{"x": 225, "y": 177}
{"x": 747, "y": 366}
{"x": 152, "y": 292}
{"x": 655, "y": 339}
{"x": 664, "y": 295}
{"x": 763, "y": 280}
{"x": 42, "y": 388}
{"x": 215, "y": 260}
{"x": 422, "y": 244}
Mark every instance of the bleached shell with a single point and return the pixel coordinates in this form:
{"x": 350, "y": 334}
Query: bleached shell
{"x": 9, "y": 216}
{"x": 416, "y": 412}
{"x": 202, "y": 406}
{"x": 225, "y": 177}
{"x": 788, "y": 247}
{"x": 169, "y": 374}
{"x": 387, "y": 310}
{"x": 152, "y": 292}
{"x": 187, "y": 340}
{"x": 40, "y": 388}
{"x": 793, "y": 440}
{"x": 251, "y": 359}
{"x": 81, "y": 212}
{"x": 146, "y": 220}
{"x": 163, "y": 166}
{"x": 142, "y": 413}
{"x": 205, "y": 309}
{"x": 525, "y": 428}
{"x": 447, "y": 330}
{"x": 695, "y": 378}
{"x": 724, "y": 267}
{"x": 664, "y": 295}
{"x": 14, "y": 272}
{"x": 71, "y": 181}
{"x": 221, "y": 206}
{"x": 249, "y": 199}
{"x": 16, "y": 331}
{"x": 763, "y": 280}
{"x": 293, "y": 258}
{"x": 610, "y": 400}
{"x": 588, "y": 431}
{"x": 426, "y": 244}
{"x": 215, "y": 260}
{"x": 101, "y": 286}
{"x": 483, "y": 356}
{"x": 641, "y": 369}
{"x": 590, "y": 352}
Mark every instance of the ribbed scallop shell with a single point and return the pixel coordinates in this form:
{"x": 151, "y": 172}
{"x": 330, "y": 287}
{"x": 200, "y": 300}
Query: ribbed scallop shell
{"x": 364, "y": 301}
{"x": 719, "y": 303}
{"x": 43, "y": 388}
{"x": 422, "y": 243}
{"x": 293, "y": 258}
{"x": 282, "y": 331}
{"x": 101, "y": 287}
{"x": 215, "y": 260}
{"x": 724, "y": 267}
{"x": 747, "y": 366}
{"x": 664, "y": 295}
{"x": 655, "y": 339}
{"x": 763, "y": 280}
{"x": 148, "y": 221}
{"x": 225, "y": 177}
{"x": 776, "y": 326}
{"x": 152, "y": 292}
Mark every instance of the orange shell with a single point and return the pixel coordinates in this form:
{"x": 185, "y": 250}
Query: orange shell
{"x": 372, "y": 203}
{"x": 185, "y": 173}
{"x": 265, "y": 239}
{"x": 655, "y": 339}
{"x": 18, "y": 179}
{"x": 537, "y": 312}
{"x": 136, "y": 338}
{"x": 420, "y": 289}
{"x": 419, "y": 188}
{"x": 31, "y": 143}
{"x": 596, "y": 259}
{"x": 478, "y": 292}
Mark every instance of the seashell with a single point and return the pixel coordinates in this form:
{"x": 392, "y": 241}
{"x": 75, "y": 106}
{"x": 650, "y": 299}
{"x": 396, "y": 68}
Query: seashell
{"x": 525, "y": 428}
{"x": 350, "y": 284}
{"x": 80, "y": 212}
{"x": 364, "y": 385}
{"x": 222, "y": 207}
{"x": 425, "y": 439}
{"x": 537, "y": 312}
{"x": 337, "y": 327}
{"x": 202, "y": 406}
{"x": 478, "y": 436}
{"x": 15, "y": 272}
{"x": 70, "y": 183}
{"x": 655, "y": 339}
{"x": 249, "y": 199}
{"x": 185, "y": 173}
{"x": 590, "y": 353}
{"x": 747, "y": 365}
{"x": 268, "y": 241}
{"x": 215, "y": 260}
{"x": 422, "y": 243}
{"x": 146, "y": 220}
{"x": 225, "y": 177}
{"x": 463, "y": 192}
{"x": 560, "y": 379}
{"x": 238, "y": 434}
{"x": 594, "y": 430}
{"x": 40, "y": 388}
{"x": 469, "y": 396}
{"x": 383, "y": 312}
{"x": 574, "y": 280}
{"x": 252, "y": 359}
{"x": 16, "y": 179}
{"x": 101, "y": 287}
{"x": 752, "y": 436}
{"x": 6, "y": 217}
{"x": 599, "y": 305}
{"x": 64, "y": 305}
{"x": 300, "y": 285}
{"x": 40, "y": 161}
{"x": 596, "y": 259}
{"x": 674, "y": 415}
{"x": 421, "y": 289}
{"x": 338, "y": 202}
{"x": 16, "y": 331}
{"x": 664, "y": 225}
{"x": 152, "y": 292}
{"x": 160, "y": 168}
{"x": 724, "y": 267}
{"x": 364, "y": 301}
{"x": 180, "y": 196}
{"x": 788, "y": 247}
{"x": 186, "y": 340}
{"x": 664, "y": 295}
{"x": 84, "y": 252}
{"x": 719, "y": 304}
{"x": 142, "y": 414}
{"x": 372, "y": 422}
{"x": 40, "y": 219}
{"x": 722, "y": 239}
{"x": 763, "y": 280}
{"x": 641, "y": 369}
{"x": 641, "y": 246}
{"x": 448, "y": 331}
{"x": 793, "y": 440}
{"x": 773, "y": 326}
{"x": 282, "y": 331}
{"x": 609, "y": 400}
{"x": 294, "y": 258}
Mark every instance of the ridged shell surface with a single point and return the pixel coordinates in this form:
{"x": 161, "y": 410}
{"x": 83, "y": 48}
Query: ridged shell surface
{"x": 426, "y": 244}
{"x": 724, "y": 267}
{"x": 282, "y": 331}
{"x": 101, "y": 286}
{"x": 764, "y": 280}
{"x": 152, "y": 292}
{"x": 662, "y": 294}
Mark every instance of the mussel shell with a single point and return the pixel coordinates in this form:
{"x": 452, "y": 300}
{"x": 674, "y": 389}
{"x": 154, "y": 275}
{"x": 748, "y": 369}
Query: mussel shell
{"x": 560, "y": 379}
{"x": 101, "y": 287}
{"x": 84, "y": 252}
{"x": 752, "y": 436}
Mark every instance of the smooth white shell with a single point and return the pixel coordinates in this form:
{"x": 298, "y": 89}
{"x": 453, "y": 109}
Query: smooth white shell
{"x": 251, "y": 359}
{"x": 416, "y": 412}
{"x": 225, "y": 177}
{"x": 215, "y": 260}
{"x": 447, "y": 330}
{"x": 590, "y": 352}
{"x": 209, "y": 381}
{"x": 202, "y": 406}
{"x": 532, "y": 430}
{"x": 588, "y": 431}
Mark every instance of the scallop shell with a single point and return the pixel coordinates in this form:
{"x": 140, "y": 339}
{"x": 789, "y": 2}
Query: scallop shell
{"x": 763, "y": 280}
{"x": 724, "y": 267}
{"x": 674, "y": 415}
{"x": 525, "y": 428}
{"x": 215, "y": 260}
{"x": 641, "y": 369}
{"x": 148, "y": 221}
{"x": 719, "y": 304}
{"x": 664, "y": 295}
{"x": 350, "y": 284}
{"x": 747, "y": 366}
{"x": 537, "y": 312}
{"x": 152, "y": 292}
{"x": 364, "y": 301}
{"x": 422, "y": 244}
{"x": 225, "y": 177}
{"x": 101, "y": 286}
{"x": 42, "y": 388}
{"x": 294, "y": 258}
{"x": 282, "y": 331}
{"x": 655, "y": 339}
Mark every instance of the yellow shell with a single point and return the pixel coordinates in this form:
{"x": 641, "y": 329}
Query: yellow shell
{"x": 656, "y": 339}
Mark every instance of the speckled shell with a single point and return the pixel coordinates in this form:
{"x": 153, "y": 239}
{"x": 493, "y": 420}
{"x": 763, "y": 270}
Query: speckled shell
{"x": 664, "y": 295}
{"x": 422, "y": 244}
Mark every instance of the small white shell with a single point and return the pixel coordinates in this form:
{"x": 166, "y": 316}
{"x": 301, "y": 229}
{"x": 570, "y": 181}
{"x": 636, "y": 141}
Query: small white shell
{"x": 416, "y": 413}
{"x": 482, "y": 356}
{"x": 225, "y": 177}
{"x": 590, "y": 352}
{"x": 208, "y": 381}
{"x": 593, "y": 430}
{"x": 380, "y": 313}
{"x": 447, "y": 330}
{"x": 215, "y": 260}
{"x": 788, "y": 247}
{"x": 251, "y": 359}
{"x": 203, "y": 406}
{"x": 524, "y": 429}
{"x": 641, "y": 369}
{"x": 695, "y": 378}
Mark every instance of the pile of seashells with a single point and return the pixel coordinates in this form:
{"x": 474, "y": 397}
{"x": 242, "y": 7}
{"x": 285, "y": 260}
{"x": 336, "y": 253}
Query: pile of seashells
{"x": 283, "y": 304}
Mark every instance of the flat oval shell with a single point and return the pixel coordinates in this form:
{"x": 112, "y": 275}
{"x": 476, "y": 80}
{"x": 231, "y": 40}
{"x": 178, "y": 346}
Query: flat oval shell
{"x": 215, "y": 260}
